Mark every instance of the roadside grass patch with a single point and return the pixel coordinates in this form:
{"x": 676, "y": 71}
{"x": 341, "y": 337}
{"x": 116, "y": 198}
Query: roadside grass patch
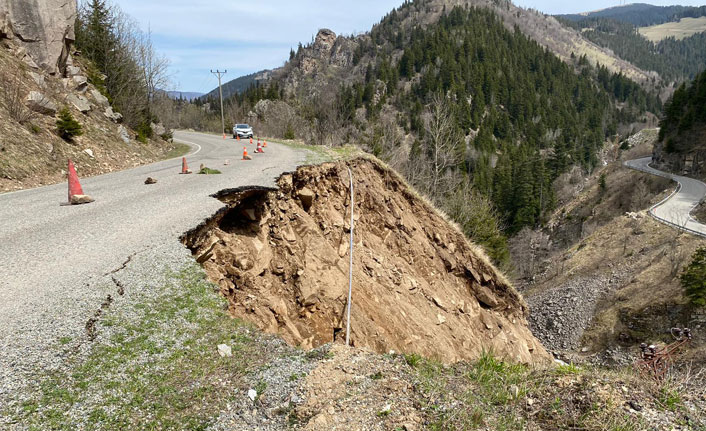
{"x": 158, "y": 368}
{"x": 177, "y": 151}
{"x": 209, "y": 171}
{"x": 493, "y": 394}
{"x": 321, "y": 153}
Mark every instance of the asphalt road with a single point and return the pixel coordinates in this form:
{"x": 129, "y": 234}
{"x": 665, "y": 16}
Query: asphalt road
{"x": 57, "y": 262}
{"x": 677, "y": 209}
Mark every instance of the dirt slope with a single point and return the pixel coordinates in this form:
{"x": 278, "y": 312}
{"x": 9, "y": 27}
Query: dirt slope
{"x": 281, "y": 258}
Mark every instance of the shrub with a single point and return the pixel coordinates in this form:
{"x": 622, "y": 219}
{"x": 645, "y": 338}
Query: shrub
{"x": 693, "y": 279}
{"x": 144, "y": 131}
{"x": 289, "y": 134}
{"x": 12, "y": 96}
{"x": 68, "y": 126}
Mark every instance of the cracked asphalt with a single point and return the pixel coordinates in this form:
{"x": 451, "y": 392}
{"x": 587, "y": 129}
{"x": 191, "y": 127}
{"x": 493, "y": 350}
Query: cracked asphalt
{"x": 58, "y": 264}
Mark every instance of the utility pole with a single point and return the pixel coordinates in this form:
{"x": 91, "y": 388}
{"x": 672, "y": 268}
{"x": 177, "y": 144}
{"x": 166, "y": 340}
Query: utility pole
{"x": 220, "y": 92}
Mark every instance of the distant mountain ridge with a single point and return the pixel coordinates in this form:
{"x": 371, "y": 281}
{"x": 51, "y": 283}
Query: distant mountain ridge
{"x": 238, "y": 85}
{"x": 186, "y": 95}
{"x": 641, "y": 14}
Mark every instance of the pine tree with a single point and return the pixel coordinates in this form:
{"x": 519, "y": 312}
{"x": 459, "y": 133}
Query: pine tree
{"x": 67, "y": 126}
{"x": 693, "y": 279}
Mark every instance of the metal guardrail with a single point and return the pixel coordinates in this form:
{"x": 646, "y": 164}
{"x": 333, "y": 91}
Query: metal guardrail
{"x": 651, "y": 210}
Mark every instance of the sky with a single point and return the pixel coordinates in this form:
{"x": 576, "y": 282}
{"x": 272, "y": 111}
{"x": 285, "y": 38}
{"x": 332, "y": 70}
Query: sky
{"x": 243, "y": 37}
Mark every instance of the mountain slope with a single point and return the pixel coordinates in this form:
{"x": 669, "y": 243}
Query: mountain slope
{"x": 237, "y": 85}
{"x": 682, "y": 137}
{"x": 671, "y": 58}
{"x": 641, "y": 14}
{"x": 514, "y": 115}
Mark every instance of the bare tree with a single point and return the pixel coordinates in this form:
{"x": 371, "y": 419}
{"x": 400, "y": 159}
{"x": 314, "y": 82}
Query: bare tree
{"x": 441, "y": 141}
{"x": 154, "y": 67}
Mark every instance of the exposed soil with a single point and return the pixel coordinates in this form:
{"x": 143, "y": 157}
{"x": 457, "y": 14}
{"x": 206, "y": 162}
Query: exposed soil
{"x": 281, "y": 258}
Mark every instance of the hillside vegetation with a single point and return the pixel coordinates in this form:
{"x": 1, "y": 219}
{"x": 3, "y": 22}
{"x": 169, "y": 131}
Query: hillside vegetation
{"x": 641, "y": 14}
{"x": 673, "y": 59}
{"x": 682, "y": 134}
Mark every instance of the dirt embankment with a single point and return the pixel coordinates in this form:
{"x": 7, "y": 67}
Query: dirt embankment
{"x": 281, "y": 258}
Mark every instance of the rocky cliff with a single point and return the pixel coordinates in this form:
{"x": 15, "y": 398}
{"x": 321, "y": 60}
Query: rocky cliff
{"x": 43, "y": 28}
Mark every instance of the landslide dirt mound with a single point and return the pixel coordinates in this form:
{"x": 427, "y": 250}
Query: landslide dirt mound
{"x": 280, "y": 256}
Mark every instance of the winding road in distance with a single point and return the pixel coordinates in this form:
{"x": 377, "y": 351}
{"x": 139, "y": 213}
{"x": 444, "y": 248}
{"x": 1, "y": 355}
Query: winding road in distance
{"x": 676, "y": 209}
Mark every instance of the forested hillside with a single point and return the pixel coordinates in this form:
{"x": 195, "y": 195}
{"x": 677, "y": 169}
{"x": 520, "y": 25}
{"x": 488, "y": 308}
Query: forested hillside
{"x": 476, "y": 115}
{"x": 641, "y": 14}
{"x": 683, "y": 128}
{"x": 673, "y": 60}
{"x": 234, "y": 86}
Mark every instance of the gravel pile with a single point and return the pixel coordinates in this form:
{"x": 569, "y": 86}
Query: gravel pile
{"x": 559, "y": 316}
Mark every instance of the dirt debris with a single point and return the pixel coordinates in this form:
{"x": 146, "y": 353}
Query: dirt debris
{"x": 280, "y": 256}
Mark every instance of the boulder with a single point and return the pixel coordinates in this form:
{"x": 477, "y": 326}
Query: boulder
{"x": 124, "y": 135}
{"x": 80, "y": 83}
{"x": 37, "y": 102}
{"x": 38, "y": 78}
{"x": 79, "y": 102}
{"x": 81, "y": 199}
{"x": 73, "y": 70}
{"x": 100, "y": 99}
{"x": 158, "y": 129}
{"x": 44, "y": 28}
{"x": 306, "y": 196}
{"x": 150, "y": 180}
{"x": 111, "y": 115}
{"x": 89, "y": 152}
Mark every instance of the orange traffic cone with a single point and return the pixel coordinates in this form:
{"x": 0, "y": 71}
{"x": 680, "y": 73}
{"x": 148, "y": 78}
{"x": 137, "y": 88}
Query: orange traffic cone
{"x": 259, "y": 147}
{"x": 184, "y": 167}
{"x": 76, "y": 195}
{"x": 264, "y": 144}
{"x": 245, "y": 154}
{"x": 237, "y": 137}
{"x": 250, "y": 140}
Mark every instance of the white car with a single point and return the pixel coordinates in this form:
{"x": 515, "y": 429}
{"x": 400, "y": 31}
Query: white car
{"x": 244, "y": 131}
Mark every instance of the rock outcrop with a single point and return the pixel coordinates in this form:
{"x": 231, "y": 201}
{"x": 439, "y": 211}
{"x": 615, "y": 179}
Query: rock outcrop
{"x": 44, "y": 28}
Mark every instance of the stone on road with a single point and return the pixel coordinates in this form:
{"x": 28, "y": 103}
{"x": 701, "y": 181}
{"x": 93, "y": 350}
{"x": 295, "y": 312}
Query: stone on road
{"x": 59, "y": 263}
{"x": 677, "y": 209}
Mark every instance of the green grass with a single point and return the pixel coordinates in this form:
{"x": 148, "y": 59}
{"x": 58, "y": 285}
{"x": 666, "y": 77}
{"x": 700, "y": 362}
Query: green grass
{"x": 158, "y": 371}
{"x": 320, "y": 153}
{"x": 493, "y": 394}
{"x": 179, "y": 150}
{"x": 209, "y": 171}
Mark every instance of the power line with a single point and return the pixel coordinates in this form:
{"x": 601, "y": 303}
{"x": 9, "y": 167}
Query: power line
{"x": 220, "y": 92}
